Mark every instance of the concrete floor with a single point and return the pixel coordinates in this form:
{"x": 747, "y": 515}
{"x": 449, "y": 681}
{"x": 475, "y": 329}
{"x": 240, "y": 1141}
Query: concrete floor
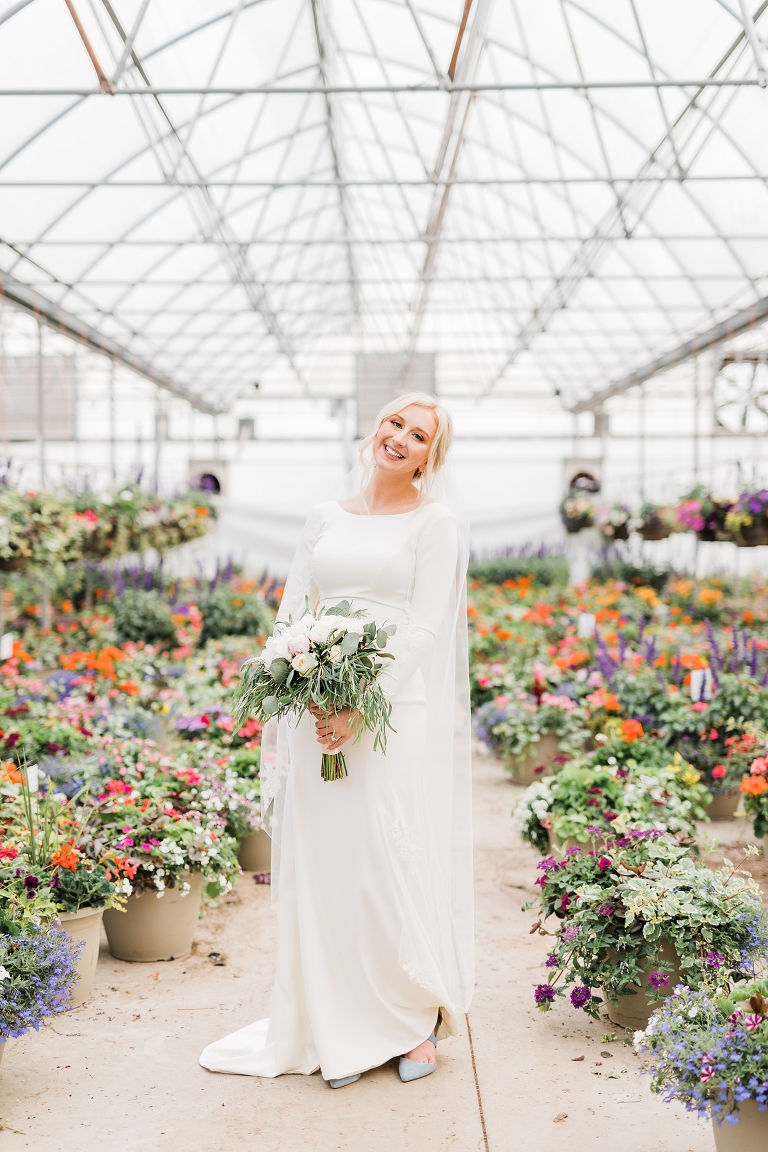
{"x": 120, "y": 1074}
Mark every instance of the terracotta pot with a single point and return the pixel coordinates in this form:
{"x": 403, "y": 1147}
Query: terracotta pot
{"x": 634, "y": 1012}
{"x": 84, "y": 926}
{"x": 255, "y": 852}
{"x": 723, "y": 805}
{"x": 749, "y": 1135}
{"x": 156, "y": 929}
{"x": 753, "y": 535}
{"x": 541, "y": 754}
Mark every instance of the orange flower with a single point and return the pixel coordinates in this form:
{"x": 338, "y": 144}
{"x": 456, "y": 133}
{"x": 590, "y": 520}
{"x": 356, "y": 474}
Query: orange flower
{"x": 66, "y": 606}
{"x": 503, "y": 634}
{"x": 753, "y": 785}
{"x": 130, "y": 687}
{"x": 631, "y": 730}
{"x": 201, "y": 510}
{"x": 66, "y": 857}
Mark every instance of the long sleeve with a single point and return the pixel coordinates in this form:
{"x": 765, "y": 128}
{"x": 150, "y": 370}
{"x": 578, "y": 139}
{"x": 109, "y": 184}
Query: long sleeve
{"x": 300, "y": 585}
{"x": 436, "y": 557}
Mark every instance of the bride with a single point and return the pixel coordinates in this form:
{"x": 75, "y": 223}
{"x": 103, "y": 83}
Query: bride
{"x": 372, "y": 874}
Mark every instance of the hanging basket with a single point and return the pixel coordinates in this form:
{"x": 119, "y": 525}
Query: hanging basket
{"x": 753, "y": 535}
{"x": 655, "y": 530}
{"x": 13, "y": 563}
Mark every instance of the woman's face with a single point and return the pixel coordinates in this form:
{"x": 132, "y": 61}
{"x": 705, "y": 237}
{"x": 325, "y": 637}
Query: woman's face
{"x": 403, "y": 441}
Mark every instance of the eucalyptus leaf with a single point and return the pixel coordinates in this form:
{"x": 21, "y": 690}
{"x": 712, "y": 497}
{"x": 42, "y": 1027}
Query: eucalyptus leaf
{"x": 279, "y": 670}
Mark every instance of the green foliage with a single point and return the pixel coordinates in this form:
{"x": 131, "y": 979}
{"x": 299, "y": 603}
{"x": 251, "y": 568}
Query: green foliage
{"x": 227, "y": 612}
{"x": 623, "y": 904}
{"x": 141, "y": 615}
{"x": 546, "y": 570}
{"x": 641, "y": 575}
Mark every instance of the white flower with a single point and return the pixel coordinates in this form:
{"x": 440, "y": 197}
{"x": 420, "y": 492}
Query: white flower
{"x": 4, "y": 974}
{"x": 351, "y": 624}
{"x": 276, "y": 648}
{"x": 299, "y": 643}
{"x": 323, "y": 628}
{"x": 303, "y": 663}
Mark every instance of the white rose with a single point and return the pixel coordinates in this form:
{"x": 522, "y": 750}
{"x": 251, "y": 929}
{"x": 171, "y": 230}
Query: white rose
{"x": 323, "y": 628}
{"x": 303, "y": 663}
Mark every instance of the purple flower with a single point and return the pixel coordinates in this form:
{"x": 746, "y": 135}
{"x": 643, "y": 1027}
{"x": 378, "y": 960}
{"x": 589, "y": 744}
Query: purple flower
{"x": 658, "y": 980}
{"x": 31, "y": 883}
{"x": 544, "y": 994}
{"x": 551, "y": 961}
{"x": 570, "y": 851}
{"x": 603, "y": 863}
{"x": 55, "y": 882}
{"x": 581, "y": 996}
{"x": 572, "y": 932}
{"x": 714, "y": 959}
{"x": 606, "y": 910}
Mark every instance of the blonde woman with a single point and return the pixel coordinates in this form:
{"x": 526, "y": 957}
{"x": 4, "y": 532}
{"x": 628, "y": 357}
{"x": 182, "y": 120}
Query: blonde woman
{"x": 372, "y": 874}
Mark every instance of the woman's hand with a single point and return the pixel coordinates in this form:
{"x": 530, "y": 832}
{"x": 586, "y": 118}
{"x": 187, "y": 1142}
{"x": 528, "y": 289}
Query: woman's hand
{"x": 334, "y": 729}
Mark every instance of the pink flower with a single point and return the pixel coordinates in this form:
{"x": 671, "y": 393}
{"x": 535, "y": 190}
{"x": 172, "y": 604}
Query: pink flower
{"x": 707, "y": 1073}
{"x": 699, "y": 706}
{"x": 752, "y": 1021}
{"x": 502, "y": 701}
{"x": 718, "y": 771}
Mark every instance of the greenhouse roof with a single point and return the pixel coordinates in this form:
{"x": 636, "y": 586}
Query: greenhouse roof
{"x": 548, "y": 196}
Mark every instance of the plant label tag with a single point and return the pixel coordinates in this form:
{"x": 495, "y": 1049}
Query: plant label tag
{"x": 585, "y": 624}
{"x": 702, "y": 687}
{"x": 33, "y": 777}
{"x": 6, "y": 646}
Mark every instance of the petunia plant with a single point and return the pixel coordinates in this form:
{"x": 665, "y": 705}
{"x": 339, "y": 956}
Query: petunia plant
{"x": 709, "y": 1053}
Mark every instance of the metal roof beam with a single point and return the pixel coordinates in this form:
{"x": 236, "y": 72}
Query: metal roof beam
{"x": 742, "y": 321}
{"x": 45, "y": 311}
{"x": 410, "y": 89}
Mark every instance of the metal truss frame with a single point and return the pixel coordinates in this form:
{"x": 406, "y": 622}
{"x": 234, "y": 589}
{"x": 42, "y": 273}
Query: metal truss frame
{"x": 400, "y": 194}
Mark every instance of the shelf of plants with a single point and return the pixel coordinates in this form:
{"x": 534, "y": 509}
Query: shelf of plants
{"x": 634, "y": 710}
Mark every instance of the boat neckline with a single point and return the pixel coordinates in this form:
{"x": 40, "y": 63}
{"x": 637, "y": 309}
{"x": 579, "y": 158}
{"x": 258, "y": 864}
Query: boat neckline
{"x": 376, "y": 515}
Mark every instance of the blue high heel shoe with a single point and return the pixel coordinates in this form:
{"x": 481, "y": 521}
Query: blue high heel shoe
{"x": 344, "y": 1080}
{"x": 415, "y": 1069}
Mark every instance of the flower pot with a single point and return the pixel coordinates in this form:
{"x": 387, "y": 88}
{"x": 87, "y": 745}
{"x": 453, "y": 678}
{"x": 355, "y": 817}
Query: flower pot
{"x": 254, "y": 853}
{"x": 634, "y": 1012}
{"x": 655, "y": 530}
{"x": 620, "y": 532}
{"x": 539, "y": 755}
{"x": 556, "y": 846}
{"x": 753, "y": 536}
{"x": 723, "y": 805}
{"x": 156, "y": 929}
{"x": 749, "y": 1135}
{"x": 84, "y": 926}
{"x": 13, "y": 563}
{"x": 2, "y": 1049}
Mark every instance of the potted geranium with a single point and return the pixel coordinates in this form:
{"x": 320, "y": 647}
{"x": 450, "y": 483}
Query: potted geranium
{"x": 531, "y": 733}
{"x": 638, "y": 913}
{"x": 748, "y": 519}
{"x": 711, "y": 1053}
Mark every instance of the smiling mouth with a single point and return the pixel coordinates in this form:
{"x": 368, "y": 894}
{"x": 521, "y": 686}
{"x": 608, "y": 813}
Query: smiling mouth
{"x": 393, "y": 455}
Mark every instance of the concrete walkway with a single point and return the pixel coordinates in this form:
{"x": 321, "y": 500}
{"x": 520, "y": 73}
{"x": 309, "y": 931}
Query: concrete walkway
{"x": 121, "y": 1073}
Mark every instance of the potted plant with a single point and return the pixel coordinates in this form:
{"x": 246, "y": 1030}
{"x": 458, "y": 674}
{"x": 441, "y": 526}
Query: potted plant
{"x": 612, "y": 521}
{"x": 655, "y": 521}
{"x": 747, "y": 520}
{"x": 41, "y": 853}
{"x": 754, "y": 789}
{"x": 531, "y": 733}
{"x": 166, "y": 827}
{"x": 636, "y": 784}
{"x": 704, "y": 514}
{"x": 711, "y": 1053}
{"x": 576, "y": 513}
{"x": 639, "y": 912}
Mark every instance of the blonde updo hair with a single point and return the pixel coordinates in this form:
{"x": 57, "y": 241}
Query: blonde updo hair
{"x": 438, "y": 449}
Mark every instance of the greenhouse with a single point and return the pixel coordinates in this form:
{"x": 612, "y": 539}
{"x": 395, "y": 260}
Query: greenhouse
{"x": 384, "y": 574}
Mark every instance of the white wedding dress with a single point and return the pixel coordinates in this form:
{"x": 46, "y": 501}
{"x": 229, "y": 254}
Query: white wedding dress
{"x": 368, "y": 948}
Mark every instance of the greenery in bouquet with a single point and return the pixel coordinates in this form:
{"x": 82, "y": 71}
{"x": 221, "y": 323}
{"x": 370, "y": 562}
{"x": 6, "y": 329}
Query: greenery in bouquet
{"x": 627, "y": 783}
{"x": 38, "y": 970}
{"x": 328, "y": 661}
{"x": 162, "y": 824}
{"x": 631, "y": 899}
{"x": 709, "y": 1052}
{"x": 576, "y": 513}
{"x": 512, "y": 727}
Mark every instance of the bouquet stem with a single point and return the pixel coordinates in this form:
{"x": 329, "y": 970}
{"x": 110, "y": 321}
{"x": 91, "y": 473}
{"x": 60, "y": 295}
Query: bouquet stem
{"x": 334, "y": 767}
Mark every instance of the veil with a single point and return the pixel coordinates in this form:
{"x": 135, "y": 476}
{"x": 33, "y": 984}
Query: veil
{"x": 447, "y": 769}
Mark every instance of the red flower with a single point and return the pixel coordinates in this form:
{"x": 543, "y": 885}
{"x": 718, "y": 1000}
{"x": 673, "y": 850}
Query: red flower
{"x": 718, "y": 771}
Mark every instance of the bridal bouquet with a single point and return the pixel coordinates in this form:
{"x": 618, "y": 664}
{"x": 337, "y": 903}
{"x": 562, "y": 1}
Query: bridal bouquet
{"x": 329, "y": 660}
